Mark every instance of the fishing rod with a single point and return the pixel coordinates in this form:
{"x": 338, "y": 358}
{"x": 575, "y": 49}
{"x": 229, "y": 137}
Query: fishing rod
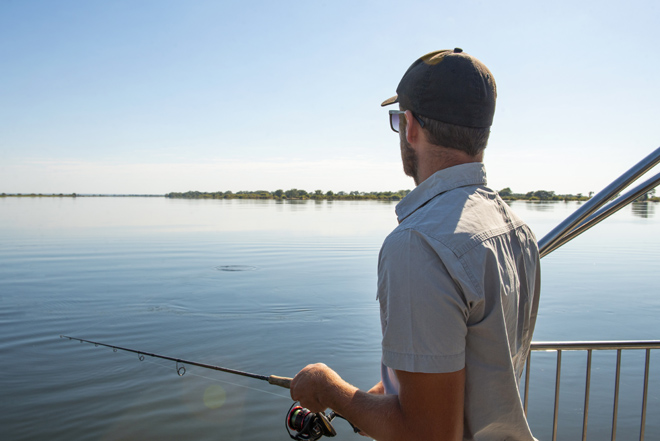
{"x": 284, "y": 382}
{"x": 301, "y": 424}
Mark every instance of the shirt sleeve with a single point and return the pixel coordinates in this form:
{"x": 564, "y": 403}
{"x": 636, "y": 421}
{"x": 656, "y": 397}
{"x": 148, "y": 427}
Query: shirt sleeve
{"x": 423, "y": 312}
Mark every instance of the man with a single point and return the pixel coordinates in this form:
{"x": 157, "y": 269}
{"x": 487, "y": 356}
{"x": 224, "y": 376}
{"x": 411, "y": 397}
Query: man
{"x": 458, "y": 279}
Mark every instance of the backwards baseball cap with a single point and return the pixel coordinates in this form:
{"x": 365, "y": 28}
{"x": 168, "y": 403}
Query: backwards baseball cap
{"x": 449, "y": 86}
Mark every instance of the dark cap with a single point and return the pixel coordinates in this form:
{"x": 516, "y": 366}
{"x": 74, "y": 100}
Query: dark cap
{"x": 449, "y": 86}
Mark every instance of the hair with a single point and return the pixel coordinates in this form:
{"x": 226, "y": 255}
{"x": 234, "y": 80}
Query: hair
{"x": 470, "y": 140}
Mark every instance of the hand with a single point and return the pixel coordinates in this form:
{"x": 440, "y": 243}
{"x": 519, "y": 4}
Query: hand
{"x": 378, "y": 389}
{"x": 313, "y": 385}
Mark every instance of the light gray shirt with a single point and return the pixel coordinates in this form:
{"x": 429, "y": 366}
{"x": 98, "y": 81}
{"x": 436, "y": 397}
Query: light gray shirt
{"x": 458, "y": 285}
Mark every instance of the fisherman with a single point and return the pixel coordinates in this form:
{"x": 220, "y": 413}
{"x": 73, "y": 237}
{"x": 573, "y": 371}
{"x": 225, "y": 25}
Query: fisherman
{"x": 458, "y": 279}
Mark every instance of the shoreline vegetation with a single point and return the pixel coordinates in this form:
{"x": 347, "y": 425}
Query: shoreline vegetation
{"x": 296, "y": 194}
{"x": 77, "y": 195}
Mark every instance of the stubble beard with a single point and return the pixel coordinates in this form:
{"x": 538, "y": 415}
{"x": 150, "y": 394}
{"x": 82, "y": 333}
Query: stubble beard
{"x": 409, "y": 159}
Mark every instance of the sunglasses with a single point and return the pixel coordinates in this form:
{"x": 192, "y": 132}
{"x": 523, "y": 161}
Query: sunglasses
{"x": 395, "y": 119}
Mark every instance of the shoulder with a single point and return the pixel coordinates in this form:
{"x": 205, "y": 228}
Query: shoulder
{"x": 455, "y": 216}
{"x": 410, "y": 246}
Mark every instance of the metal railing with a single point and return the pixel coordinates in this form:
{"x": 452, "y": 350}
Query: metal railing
{"x": 605, "y": 203}
{"x": 589, "y": 347}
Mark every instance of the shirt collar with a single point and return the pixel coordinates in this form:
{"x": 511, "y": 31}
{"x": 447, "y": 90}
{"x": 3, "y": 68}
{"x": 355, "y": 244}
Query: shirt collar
{"x": 473, "y": 173}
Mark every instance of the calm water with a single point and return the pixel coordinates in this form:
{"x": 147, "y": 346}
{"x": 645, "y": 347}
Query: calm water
{"x": 266, "y": 287}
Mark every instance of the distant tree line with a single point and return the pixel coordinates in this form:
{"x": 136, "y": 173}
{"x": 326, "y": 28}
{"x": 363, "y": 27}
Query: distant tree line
{"x": 544, "y": 195}
{"x": 297, "y": 194}
{"x": 74, "y": 195}
{"x": 294, "y": 194}
{"x": 39, "y": 195}
{"x": 541, "y": 195}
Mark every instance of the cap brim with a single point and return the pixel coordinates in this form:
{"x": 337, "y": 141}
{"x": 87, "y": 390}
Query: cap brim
{"x": 387, "y": 102}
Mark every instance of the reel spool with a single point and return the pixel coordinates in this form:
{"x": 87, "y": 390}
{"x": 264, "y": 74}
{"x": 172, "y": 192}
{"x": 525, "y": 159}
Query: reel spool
{"x": 302, "y": 424}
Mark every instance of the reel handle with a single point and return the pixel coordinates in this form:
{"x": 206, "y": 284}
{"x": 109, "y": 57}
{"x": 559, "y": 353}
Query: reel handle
{"x": 284, "y": 382}
{"x": 328, "y": 430}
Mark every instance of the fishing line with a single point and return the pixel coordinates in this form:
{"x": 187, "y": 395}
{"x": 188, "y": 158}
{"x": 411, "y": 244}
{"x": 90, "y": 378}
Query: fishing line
{"x": 110, "y": 316}
{"x": 301, "y": 424}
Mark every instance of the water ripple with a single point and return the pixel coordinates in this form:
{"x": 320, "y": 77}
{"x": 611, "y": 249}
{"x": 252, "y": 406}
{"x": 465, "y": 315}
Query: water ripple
{"x": 236, "y": 268}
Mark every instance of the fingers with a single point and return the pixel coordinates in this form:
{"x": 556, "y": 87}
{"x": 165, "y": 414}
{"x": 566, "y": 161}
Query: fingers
{"x": 308, "y": 386}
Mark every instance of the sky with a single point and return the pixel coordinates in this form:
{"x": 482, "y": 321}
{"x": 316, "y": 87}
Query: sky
{"x": 158, "y": 96}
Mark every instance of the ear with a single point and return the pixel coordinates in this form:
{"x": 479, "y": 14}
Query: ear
{"x": 412, "y": 128}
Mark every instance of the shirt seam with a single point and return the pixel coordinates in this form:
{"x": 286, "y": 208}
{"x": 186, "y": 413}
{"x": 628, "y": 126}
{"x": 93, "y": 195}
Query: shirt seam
{"x": 423, "y": 355}
{"x": 460, "y": 251}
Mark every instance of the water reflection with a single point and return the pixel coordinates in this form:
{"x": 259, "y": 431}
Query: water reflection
{"x": 643, "y": 209}
{"x": 541, "y": 205}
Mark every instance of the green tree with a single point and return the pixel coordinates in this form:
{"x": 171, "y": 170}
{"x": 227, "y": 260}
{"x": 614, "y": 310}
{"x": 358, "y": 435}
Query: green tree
{"x": 292, "y": 194}
{"x": 541, "y": 194}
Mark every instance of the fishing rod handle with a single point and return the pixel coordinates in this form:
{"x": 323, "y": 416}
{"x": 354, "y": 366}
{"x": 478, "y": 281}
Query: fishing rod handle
{"x": 284, "y": 382}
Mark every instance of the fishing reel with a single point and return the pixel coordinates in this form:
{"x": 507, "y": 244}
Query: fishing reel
{"x": 307, "y": 425}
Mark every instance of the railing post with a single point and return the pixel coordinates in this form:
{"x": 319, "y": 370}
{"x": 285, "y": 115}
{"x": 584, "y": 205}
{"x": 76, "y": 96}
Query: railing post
{"x": 556, "y": 415}
{"x": 586, "y": 397}
{"x": 616, "y": 393}
{"x": 646, "y": 389}
{"x": 529, "y": 362}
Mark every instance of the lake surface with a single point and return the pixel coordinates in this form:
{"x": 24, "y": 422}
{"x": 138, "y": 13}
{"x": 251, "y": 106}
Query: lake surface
{"x": 268, "y": 287}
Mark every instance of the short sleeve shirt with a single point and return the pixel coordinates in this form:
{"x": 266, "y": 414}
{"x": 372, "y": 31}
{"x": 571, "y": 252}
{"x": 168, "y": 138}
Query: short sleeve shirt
{"x": 458, "y": 286}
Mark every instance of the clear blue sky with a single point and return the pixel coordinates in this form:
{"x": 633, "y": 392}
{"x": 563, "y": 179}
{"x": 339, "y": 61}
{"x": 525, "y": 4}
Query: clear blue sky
{"x": 159, "y": 96}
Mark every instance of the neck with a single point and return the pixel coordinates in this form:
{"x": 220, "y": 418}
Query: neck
{"x": 433, "y": 158}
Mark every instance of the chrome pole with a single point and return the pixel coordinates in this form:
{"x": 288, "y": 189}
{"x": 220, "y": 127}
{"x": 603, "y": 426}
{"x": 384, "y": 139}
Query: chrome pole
{"x": 556, "y": 411}
{"x": 587, "y": 388}
{"x": 549, "y": 241}
{"x": 529, "y": 362}
{"x": 607, "y": 211}
{"x": 646, "y": 393}
{"x": 615, "y": 413}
